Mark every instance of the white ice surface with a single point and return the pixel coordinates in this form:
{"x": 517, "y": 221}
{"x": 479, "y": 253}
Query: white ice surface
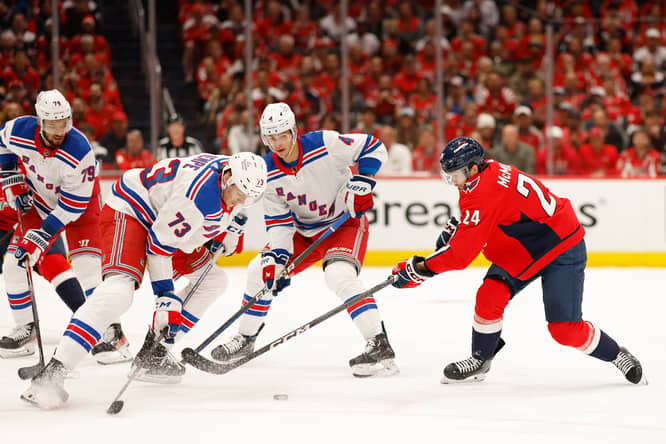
{"x": 537, "y": 391}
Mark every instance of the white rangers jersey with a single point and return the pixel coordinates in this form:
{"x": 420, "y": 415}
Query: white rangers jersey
{"x": 179, "y": 202}
{"x": 309, "y": 196}
{"x": 61, "y": 179}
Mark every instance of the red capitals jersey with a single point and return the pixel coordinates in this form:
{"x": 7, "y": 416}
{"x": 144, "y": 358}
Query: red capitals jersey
{"x": 518, "y": 223}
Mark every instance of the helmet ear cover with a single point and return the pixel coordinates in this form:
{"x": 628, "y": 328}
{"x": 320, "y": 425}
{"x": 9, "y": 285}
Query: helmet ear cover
{"x": 248, "y": 173}
{"x": 460, "y": 153}
{"x": 277, "y": 118}
{"x": 52, "y": 105}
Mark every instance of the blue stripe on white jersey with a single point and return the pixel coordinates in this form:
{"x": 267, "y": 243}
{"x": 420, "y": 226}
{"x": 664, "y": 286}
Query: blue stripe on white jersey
{"x": 280, "y": 220}
{"x": 141, "y": 210}
{"x": 156, "y": 247}
{"x": 304, "y": 226}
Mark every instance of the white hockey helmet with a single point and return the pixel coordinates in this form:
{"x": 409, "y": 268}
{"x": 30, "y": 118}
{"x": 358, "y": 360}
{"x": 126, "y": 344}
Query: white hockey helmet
{"x": 276, "y": 119}
{"x": 248, "y": 173}
{"x": 52, "y": 105}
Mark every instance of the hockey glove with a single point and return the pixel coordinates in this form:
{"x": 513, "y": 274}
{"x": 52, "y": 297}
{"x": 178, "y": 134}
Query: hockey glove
{"x": 17, "y": 193}
{"x": 447, "y": 233}
{"x": 273, "y": 263}
{"x": 33, "y": 244}
{"x": 167, "y": 315}
{"x": 408, "y": 275}
{"x": 231, "y": 242}
{"x": 358, "y": 196}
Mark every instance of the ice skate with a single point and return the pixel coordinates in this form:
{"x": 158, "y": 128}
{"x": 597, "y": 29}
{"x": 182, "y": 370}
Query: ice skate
{"x": 630, "y": 367}
{"x": 20, "y": 342}
{"x": 236, "y": 348}
{"x": 376, "y": 360}
{"x": 47, "y": 389}
{"x": 113, "y": 348}
{"x": 471, "y": 369}
{"x": 156, "y": 364}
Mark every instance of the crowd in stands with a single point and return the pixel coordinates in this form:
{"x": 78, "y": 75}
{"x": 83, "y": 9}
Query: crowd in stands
{"x": 607, "y": 89}
{"x": 608, "y": 77}
{"x": 87, "y": 82}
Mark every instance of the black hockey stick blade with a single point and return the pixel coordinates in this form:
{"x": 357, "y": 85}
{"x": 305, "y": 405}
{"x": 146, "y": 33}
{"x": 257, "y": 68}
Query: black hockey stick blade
{"x": 115, "y": 407}
{"x": 30, "y": 371}
{"x": 199, "y": 362}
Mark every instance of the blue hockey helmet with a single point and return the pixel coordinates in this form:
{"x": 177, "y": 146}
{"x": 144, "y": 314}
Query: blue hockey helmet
{"x": 459, "y": 153}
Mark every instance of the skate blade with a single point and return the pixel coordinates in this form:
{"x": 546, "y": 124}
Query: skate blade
{"x": 144, "y": 376}
{"x": 475, "y": 378}
{"x": 7, "y": 353}
{"x": 48, "y": 400}
{"x": 384, "y": 368}
{"x": 114, "y": 357}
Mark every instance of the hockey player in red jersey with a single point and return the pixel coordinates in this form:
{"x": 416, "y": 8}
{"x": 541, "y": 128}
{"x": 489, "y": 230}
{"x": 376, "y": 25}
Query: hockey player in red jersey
{"x": 526, "y": 232}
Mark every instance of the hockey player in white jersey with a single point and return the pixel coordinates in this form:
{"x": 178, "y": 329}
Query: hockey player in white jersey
{"x": 310, "y": 186}
{"x": 178, "y": 204}
{"x": 49, "y": 175}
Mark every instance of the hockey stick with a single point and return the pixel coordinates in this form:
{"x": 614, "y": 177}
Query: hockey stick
{"x": 196, "y": 360}
{"x": 117, "y": 404}
{"x": 288, "y": 269}
{"x": 26, "y": 372}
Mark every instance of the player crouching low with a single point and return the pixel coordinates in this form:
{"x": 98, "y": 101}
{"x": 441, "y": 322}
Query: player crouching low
{"x": 526, "y": 232}
{"x": 178, "y": 204}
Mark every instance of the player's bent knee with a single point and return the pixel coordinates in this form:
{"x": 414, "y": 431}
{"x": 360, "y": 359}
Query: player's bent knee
{"x": 341, "y": 278}
{"x": 53, "y": 265}
{"x": 114, "y": 296}
{"x": 491, "y": 299}
{"x": 572, "y": 334}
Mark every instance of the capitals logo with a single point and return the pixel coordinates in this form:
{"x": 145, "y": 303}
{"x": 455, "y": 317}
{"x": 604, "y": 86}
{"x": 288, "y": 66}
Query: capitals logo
{"x": 469, "y": 186}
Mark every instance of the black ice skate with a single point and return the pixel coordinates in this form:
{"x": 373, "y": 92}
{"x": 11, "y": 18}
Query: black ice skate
{"x": 156, "y": 364}
{"x": 236, "y": 348}
{"x": 47, "y": 389}
{"x": 471, "y": 369}
{"x": 376, "y": 360}
{"x": 629, "y": 366}
{"x": 113, "y": 348}
{"x": 20, "y": 342}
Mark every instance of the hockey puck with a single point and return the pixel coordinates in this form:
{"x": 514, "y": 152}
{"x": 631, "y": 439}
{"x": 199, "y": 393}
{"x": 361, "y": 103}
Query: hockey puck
{"x": 280, "y": 397}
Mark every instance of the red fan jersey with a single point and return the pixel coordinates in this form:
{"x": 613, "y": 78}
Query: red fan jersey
{"x": 518, "y": 223}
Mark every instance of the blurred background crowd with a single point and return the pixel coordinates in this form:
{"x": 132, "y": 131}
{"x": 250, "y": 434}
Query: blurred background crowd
{"x": 606, "y": 89}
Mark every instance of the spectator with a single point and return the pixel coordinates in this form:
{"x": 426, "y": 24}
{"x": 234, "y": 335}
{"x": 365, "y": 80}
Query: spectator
{"x": 613, "y": 133}
{"x": 565, "y": 160}
{"x": 653, "y": 49}
{"x": 512, "y": 151}
{"x": 134, "y": 155}
{"x": 598, "y": 159}
{"x": 426, "y": 155}
{"x": 407, "y": 128}
{"x": 456, "y": 98}
{"x": 238, "y": 139}
{"x": 176, "y": 144}
{"x": 116, "y": 137}
{"x": 486, "y": 127}
{"x": 527, "y": 133}
{"x": 640, "y": 160}
{"x": 496, "y": 98}
{"x": 100, "y": 151}
{"x": 367, "y": 123}
{"x": 647, "y": 77}
{"x": 99, "y": 110}
{"x": 10, "y": 110}
{"x": 399, "y": 162}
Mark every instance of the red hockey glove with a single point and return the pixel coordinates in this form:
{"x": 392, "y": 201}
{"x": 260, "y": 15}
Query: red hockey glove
{"x": 273, "y": 263}
{"x": 359, "y": 195}
{"x": 408, "y": 274}
{"x": 17, "y": 193}
{"x": 33, "y": 244}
